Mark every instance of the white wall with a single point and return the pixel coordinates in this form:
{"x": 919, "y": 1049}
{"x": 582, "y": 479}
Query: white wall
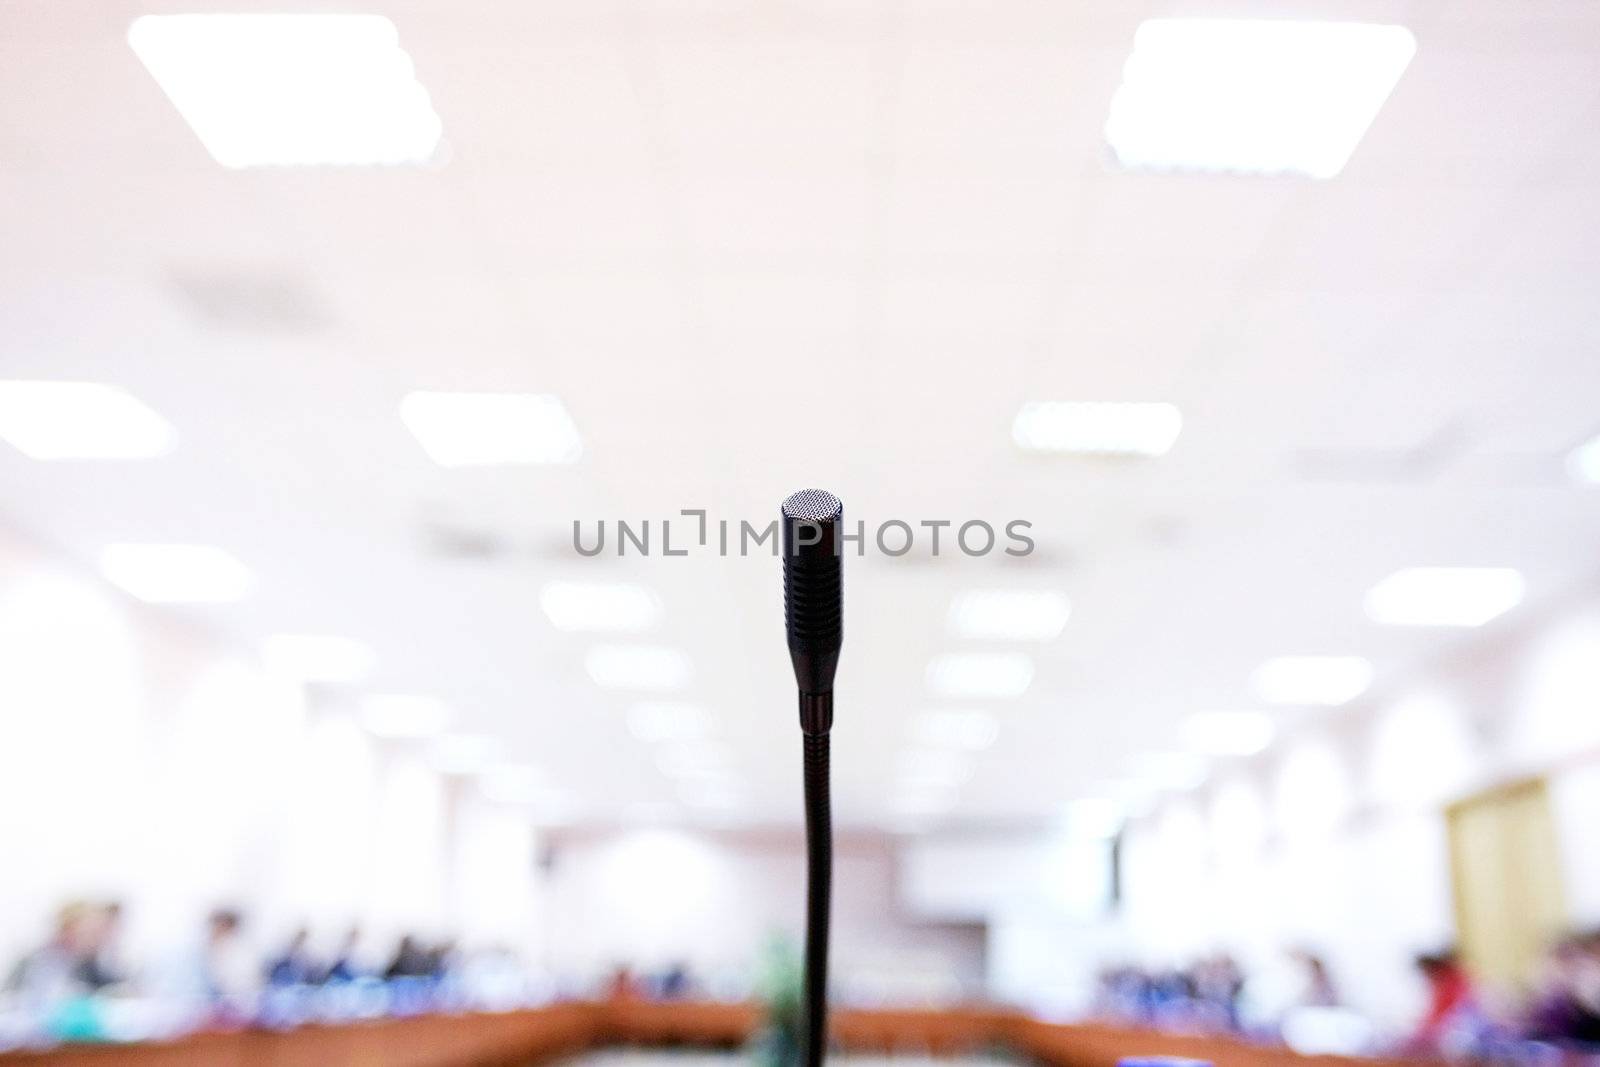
{"x": 1337, "y": 840}
{"x": 143, "y": 761}
{"x": 651, "y": 897}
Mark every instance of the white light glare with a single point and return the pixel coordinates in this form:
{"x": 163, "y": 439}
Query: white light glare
{"x": 325, "y": 658}
{"x": 491, "y": 429}
{"x": 519, "y": 785}
{"x": 81, "y": 420}
{"x": 1174, "y": 771}
{"x": 264, "y": 90}
{"x": 599, "y": 607}
{"x": 971, "y": 731}
{"x": 933, "y": 769}
{"x": 1093, "y": 817}
{"x": 1444, "y": 596}
{"x": 403, "y": 716}
{"x": 1229, "y": 733}
{"x": 176, "y": 574}
{"x": 1583, "y": 462}
{"x": 639, "y": 667}
{"x": 1104, "y": 429}
{"x": 1327, "y": 681}
{"x": 463, "y": 754}
{"x": 662, "y": 721}
{"x": 1269, "y": 96}
{"x": 1009, "y": 614}
{"x": 719, "y": 795}
{"x": 980, "y": 675}
{"x": 695, "y": 759}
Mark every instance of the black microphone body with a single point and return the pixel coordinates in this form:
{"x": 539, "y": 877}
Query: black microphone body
{"x": 813, "y": 609}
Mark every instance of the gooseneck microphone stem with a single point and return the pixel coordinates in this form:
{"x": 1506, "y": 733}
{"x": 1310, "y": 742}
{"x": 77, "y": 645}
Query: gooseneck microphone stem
{"x": 819, "y": 897}
{"x": 813, "y": 605}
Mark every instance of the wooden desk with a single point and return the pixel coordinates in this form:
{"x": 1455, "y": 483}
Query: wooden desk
{"x": 522, "y": 1038}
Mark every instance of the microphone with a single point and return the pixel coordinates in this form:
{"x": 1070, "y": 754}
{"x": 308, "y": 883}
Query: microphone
{"x": 813, "y": 615}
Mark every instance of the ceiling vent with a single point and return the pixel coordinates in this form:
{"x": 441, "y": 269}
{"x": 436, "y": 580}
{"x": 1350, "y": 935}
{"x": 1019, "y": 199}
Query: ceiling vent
{"x": 253, "y": 301}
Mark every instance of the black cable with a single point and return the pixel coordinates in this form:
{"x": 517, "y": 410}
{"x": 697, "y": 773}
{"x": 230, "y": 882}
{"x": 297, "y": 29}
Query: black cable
{"x": 819, "y": 893}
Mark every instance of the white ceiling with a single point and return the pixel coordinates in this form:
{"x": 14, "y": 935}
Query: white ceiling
{"x": 756, "y": 247}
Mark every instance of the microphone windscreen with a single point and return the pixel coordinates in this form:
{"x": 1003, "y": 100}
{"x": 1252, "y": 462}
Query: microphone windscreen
{"x": 813, "y": 586}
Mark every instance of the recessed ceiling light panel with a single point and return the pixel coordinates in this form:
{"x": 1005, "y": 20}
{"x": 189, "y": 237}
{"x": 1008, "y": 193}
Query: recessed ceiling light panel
{"x": 980, "y": 675}
{"x": 272, "y": 90}
{"x": 1264, "y": 96}
{"x": 1097, "y": 818}
{"x": 404, "y": 716}
{"x": 1444, "y": 596}
{"x": 1229, "y": 733}
{"x": 972, "y": 731}
{"x": 81, "y": 420}
{"x": 599, "y": 606}
{"x": 1327, "y": 681}
{"x": 176, "y": 573}
{"x": 1009, "y": 614}
{"x": 1097, "y": 428}
{"x": 491, "y": 429}
{"x": 666, "y": 721}
{"x": 650, "y": 668}
{"x": 463, "y": 754}
{"x": 1583, "y": 462}
{"x": 318, "y": 657}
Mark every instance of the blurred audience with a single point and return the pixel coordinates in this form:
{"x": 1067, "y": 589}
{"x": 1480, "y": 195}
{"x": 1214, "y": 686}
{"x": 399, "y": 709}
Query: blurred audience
{"x": 294, "y": 965}
{"x": 1565, "y": 1006}
{"x": 344, "y": 967}
{"x": 65, "y": 965}
{"x": 67, "y": 980}
{"x": 1211, "y": 996}
{"x": 1455, "y": 1019}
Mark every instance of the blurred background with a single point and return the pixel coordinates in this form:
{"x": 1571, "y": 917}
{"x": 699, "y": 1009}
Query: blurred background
{"x": 386, "y": 394}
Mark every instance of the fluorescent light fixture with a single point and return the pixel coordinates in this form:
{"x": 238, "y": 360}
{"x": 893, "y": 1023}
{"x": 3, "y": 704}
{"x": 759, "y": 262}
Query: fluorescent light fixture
{"x": 176, "y": 574}
{"x": 934, "y": 769}
{"x": 1009, "y": 614}
{"x": 599, "y": 606}
{"x": 1265, "y": 96}
{"x": 463, "y": 754}
{"x": 971, "y": 731}
{"x": 666, "y": 721}
{"x": 1097, "y": 428}
{"x": 1444, "y": 596}
{"x": 81, "y": 420}
{"x": 1327, "y": 681}
{"x": 980, "y": 675}
{"x": 1093, "y": 817}
{"x": 1135, "y": 796}
{"x": 519, "y": 785}
{"x": 404, "y": 716}
{"x": 318, "y": 657}
{"x": 1583, "y": 462}
{"x": 640, "y": 667}
{"x": 1229, "y": 733}
{"x": 277, "y": 90}
{"x": 491, "y": 429}
{"x": 1174, "y": 771}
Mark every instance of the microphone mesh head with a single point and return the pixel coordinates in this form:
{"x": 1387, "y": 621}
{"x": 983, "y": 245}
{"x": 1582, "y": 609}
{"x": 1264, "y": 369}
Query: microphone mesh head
{"x": 814, "y": 505}
{"x": 813, "y": 587}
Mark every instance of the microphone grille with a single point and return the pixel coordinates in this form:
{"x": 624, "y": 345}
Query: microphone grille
{"x": 813, "y": 505}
